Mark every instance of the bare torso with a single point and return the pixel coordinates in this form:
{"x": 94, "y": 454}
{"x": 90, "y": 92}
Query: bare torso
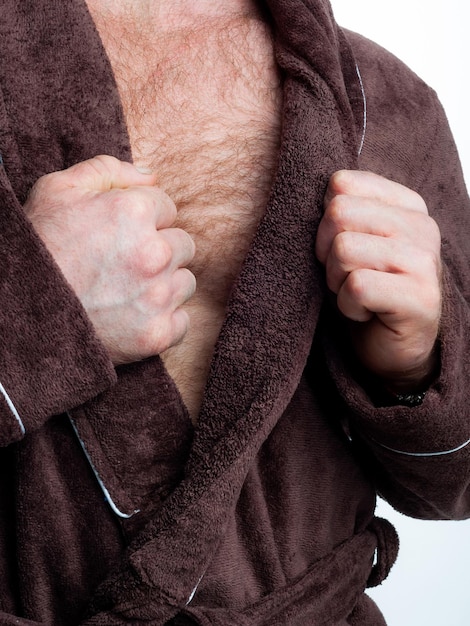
{"x": 201, "y": 96}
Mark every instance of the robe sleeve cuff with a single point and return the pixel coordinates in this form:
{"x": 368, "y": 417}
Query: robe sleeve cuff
{"x": 50, "y": 358}
{"x": 440, "y": 424}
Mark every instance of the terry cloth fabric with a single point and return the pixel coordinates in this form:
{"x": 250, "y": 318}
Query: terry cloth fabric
{"x": 268, "y": 328}
{"x": 113, "y": 509}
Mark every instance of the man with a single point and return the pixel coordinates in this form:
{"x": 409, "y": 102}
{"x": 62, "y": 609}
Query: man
{"x": 215, "y": 356}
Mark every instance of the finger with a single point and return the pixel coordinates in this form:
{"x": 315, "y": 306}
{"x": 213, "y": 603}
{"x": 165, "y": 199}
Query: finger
{"x": 370, "y": 185}
{"x": 351, "y": 213}
{"x": 180, "y": 247}
{"x": 179, "y": 326}
{"x": 105, "y": 172}
{"x": 172, "y": 327}
{"x": 147, "y": 204}
{"x": 165, "y": 207}
{"x": 184, "y": 286}
{"x": 164, "y": 332}
{"x": 352, "y": 251}
{"x": 395, "y": 298}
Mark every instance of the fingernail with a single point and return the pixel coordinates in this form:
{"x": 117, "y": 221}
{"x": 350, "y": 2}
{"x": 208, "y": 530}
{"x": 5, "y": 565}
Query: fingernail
{"x": 144, "y": 170}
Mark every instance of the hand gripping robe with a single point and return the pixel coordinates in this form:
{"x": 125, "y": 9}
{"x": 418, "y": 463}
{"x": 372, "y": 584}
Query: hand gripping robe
{"x": 113, "y": 508}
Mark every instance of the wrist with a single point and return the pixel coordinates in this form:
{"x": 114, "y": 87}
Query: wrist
{"x": 414, "y": 381}
{"x": 405, "y": 388}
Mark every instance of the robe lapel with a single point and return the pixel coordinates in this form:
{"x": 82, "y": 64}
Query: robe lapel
{"x": 271, "y": 319}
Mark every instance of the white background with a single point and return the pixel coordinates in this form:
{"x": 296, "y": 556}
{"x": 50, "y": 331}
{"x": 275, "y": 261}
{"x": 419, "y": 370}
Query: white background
{"x": 430, "y": 584}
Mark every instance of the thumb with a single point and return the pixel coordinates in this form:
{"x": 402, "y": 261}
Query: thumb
{"x": 103, "y": 172}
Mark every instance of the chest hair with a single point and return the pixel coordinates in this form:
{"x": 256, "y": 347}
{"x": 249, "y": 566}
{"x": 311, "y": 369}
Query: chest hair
{"x": 202, "y": 106}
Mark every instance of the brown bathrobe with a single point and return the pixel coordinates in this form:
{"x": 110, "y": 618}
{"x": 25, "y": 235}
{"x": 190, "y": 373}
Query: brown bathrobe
{"x": 113, "y": 508}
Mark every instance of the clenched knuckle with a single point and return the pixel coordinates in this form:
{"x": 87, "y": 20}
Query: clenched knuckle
{"x": 190, "y": 281}
{"x": 111, "y": 204}
{"x": 148, "y": 257}
{"x": 162, "y": 253}
{"x": 354, "y": 286}
{"x": 138, "y": 210}
{"x": 434, "y": 232}
{"x": 130, "y": 201}
{"x": 338, "y": 210}
{"x": 158, "y": 335}
{"x": 418, "y": 201}
{"x": 162, "y": 199}
{"x": 139, "y": 259}
{"x": 331, "y": 282}
{"x": 147, "y": 340}
{"x": 43, "y": 183}
{"x": 340, "y": 181}
{"x": 435, "y": 298}
{"x": 45, "y": 186}
{"x": 429, "y": 264}
{"x": 343, "y": 247}
{"x": 187, "y": 244}
{"x": 161, "y": 297}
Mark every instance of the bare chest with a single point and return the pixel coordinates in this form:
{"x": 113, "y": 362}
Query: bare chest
{"x": 202, "y": 107}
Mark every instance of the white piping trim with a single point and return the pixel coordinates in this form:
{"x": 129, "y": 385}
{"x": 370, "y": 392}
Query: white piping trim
{"x": 426, "y": 454}
{"x": 12, "y": 408}
{"x": 106, "y": 493}
{"x": 364, "y": 101}
{"x": 193, "y": 592}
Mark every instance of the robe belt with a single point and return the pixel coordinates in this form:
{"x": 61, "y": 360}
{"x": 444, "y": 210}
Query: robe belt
{"x": 325, "y": 594}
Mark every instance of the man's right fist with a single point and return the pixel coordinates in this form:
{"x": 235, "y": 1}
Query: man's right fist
{"x": 109, "y": 228}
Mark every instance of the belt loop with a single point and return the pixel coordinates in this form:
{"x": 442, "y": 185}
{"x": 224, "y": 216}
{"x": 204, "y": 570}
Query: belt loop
{"x": 387, "y": 550}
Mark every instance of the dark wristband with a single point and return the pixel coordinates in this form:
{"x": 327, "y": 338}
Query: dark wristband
{"x": 405, "y": 399}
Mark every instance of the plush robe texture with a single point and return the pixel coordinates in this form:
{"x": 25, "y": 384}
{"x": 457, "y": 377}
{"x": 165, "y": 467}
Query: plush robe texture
{"x": 113, "y": 508}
